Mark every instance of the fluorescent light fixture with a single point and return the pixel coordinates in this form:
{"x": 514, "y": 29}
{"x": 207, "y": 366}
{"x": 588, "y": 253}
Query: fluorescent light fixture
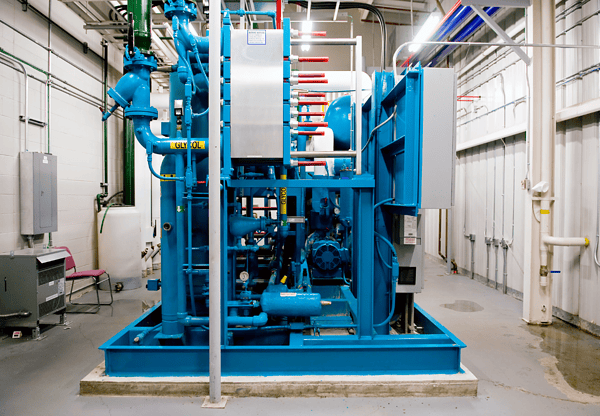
{"x": 307, "y": 28}
{"x": 426, "y": 31}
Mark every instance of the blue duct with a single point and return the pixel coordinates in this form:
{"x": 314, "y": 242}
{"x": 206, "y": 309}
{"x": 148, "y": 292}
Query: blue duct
{"x": 467, "y": 31}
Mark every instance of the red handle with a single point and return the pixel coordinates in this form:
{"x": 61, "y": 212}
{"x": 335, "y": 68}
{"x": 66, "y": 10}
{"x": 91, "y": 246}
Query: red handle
{"x": 312, "y": 94}
{"x": 312, "y": 33}
{"x": 312, "y": 124}
{"x": 315, "y": 163}
{"x": 313, "y": 59}
{"x": 311, "y": 113}
{"x": 311, "y": 133}
{"x": 313, "y": 81}
{"x": 313, "y": 102}
{"x": 311, "y": 75}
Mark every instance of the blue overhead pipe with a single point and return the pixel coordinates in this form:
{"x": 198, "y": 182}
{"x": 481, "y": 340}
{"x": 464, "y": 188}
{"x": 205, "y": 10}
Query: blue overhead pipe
{"x": 467, "y": 31}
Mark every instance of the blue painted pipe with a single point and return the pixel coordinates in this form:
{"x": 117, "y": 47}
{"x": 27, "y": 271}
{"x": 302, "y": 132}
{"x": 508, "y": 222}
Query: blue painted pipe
{"x": 290, "y": 303}
{"x": 468, "y": 30}
{"x": 240, "y": 226}
{"x": 258, "y": 320}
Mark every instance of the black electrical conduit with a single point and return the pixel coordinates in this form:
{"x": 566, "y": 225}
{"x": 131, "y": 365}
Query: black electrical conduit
{"x": 331, "y": 5}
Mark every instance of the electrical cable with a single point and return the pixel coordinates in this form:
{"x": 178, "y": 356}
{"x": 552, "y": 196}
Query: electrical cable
{"x": 392, "y": 295}
{"x": 375, "y": 129}
{"x": 331, "y": 5}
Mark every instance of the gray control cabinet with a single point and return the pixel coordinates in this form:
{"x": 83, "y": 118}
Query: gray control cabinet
{"x": 38, "y": 193}
{"x": 31, "y": 280}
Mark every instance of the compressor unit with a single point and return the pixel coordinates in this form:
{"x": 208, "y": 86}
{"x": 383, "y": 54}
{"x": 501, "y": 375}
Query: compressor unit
{"x": 321, "y": 251}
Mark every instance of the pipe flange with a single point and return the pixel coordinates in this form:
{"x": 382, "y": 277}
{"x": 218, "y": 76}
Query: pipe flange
{"x": 151, "y": 112}
{"x": 188, "y": 8}
{"x": 138, "y": 59}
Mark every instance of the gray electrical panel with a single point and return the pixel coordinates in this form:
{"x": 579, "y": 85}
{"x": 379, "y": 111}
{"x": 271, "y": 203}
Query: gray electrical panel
{"x": 31, "y": 280}
{"x": 439, "y": 138}
{"x": 38, "y": 193}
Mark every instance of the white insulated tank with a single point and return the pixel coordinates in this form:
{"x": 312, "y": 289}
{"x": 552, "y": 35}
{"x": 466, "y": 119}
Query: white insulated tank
{"x": 119, "y": 245}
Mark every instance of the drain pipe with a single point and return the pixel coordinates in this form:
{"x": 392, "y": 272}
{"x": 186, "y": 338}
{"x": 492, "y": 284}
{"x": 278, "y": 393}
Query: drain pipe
{"x": 487, "y": 240}
{"x": 214, "y": 206}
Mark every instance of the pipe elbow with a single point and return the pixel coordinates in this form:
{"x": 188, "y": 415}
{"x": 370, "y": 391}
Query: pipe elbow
{"x": 123, "y": 93}
{"x": 260, "y": 319}
{"x": 143, "y": 134}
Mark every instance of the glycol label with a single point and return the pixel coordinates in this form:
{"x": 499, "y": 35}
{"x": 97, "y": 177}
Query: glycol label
{"x": 196, "y": 144}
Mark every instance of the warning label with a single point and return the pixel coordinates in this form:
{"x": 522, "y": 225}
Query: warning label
{"x": 196, "y": 144}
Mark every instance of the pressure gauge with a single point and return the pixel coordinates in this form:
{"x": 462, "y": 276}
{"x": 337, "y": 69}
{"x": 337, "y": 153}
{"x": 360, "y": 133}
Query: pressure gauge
{"x": 244, "y": 276}
{"x": 336, "y": 211}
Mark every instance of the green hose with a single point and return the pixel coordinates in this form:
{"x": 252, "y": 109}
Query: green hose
{"x": 104, "y": 217}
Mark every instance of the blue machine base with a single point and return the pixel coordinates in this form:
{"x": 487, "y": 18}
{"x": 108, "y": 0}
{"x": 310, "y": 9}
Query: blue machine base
{"x": 436, "y": 351}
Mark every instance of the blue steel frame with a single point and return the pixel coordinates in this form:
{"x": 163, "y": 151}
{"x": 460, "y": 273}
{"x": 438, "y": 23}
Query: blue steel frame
{"x": 171, "y": 339}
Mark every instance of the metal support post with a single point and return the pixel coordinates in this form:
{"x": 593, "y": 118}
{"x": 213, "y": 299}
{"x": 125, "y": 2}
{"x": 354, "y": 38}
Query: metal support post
{"x": 214, "y": 206}
{"x": 358, "y": 100}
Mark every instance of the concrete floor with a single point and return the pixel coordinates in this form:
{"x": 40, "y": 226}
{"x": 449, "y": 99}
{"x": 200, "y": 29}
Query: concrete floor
{"x": 522, "y": 370}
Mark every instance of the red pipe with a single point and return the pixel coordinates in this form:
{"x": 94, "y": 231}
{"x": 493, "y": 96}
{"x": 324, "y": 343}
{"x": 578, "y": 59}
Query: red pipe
{"x": 313, "y": 59}
{"x": 313, "y": 81}
{"x": 314, "y": 163}
{"x": 446, "y": 17}
{"x": 311, "y": 133}
{"x": 312, "y": 124}
{"x": 311, "y": 113}
{"x": 262, "y": 208}
{"x": 313, "y": 102}
{"x": 311, "y": 75}
{"x": 468, "y": 96}
{"x": 312, "y": 33}
{"x": 278, "y": 13}
{"x": 312, "y": 94}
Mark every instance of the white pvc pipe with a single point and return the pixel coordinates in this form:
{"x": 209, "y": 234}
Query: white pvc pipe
{"x": 566, "y": 241}
{"x": 214, "y": 197}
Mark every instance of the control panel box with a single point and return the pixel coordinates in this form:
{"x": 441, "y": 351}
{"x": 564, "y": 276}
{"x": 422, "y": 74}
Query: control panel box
{"x": 37, "y": 182}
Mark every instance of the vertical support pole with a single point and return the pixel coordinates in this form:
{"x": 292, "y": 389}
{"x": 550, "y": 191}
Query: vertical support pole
{"x": 537, "y": 290}
{"x": 214, "y": 198}
{"x": 358, "y": 105}
{"x": 363, "y": 260}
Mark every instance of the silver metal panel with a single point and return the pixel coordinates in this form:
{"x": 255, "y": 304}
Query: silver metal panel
{"x": 257, "y": 94}
{"x": 56, "y": 255}
{"x": 38, "y": 191}
{"x": 439, "y": 142}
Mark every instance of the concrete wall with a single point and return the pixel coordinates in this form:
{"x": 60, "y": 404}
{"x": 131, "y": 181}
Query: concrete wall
{"x": 489, "y": 198}
{"x": 75, "y": 133}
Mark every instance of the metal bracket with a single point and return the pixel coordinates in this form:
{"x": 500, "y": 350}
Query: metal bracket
{"x": 500, "y": 32}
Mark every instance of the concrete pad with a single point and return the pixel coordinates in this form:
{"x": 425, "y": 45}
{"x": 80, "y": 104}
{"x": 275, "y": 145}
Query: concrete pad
{"x": 97, "y": 383}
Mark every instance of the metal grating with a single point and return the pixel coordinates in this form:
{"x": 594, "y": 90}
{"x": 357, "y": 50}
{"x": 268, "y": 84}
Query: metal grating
{"x": 51, "y": 305}
{"x": 50, "y": 274}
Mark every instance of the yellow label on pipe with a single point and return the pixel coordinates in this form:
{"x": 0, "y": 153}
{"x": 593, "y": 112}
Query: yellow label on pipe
{"x": 283, "y": 197}
{"x": 196, "y": 144}
{"x": 168, "y": 175}
{"x": 545, "y": 211}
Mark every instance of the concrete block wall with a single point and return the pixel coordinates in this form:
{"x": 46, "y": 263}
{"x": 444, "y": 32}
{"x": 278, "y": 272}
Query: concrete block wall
{"x": 75, "y": 133}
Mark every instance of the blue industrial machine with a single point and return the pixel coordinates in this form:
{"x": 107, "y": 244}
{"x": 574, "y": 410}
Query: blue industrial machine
{"x": 319, "y": 267}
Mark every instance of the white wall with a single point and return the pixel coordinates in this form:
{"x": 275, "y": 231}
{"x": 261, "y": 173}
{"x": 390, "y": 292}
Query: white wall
{"x": 500, "y": 79}
{"x": 75, "y": 131}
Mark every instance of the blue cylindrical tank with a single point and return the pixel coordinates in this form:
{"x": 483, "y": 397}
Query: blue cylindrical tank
{"x": 340, "y": 121}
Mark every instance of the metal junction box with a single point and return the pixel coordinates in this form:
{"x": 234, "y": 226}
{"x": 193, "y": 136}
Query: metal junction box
{"x": 38, "y": 193}
{"x": 32, "y": 280}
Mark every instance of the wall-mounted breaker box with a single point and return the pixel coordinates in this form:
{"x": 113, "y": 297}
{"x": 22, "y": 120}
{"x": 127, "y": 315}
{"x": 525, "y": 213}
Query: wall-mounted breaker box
{"x": 38, "y": 193}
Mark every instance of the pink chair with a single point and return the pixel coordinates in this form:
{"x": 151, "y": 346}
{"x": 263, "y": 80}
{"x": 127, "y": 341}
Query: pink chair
{"x": 93, "y": 274}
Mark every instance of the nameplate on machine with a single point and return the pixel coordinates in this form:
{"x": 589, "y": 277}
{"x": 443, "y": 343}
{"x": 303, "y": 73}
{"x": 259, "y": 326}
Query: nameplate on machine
{"x": 196, "y": 144}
